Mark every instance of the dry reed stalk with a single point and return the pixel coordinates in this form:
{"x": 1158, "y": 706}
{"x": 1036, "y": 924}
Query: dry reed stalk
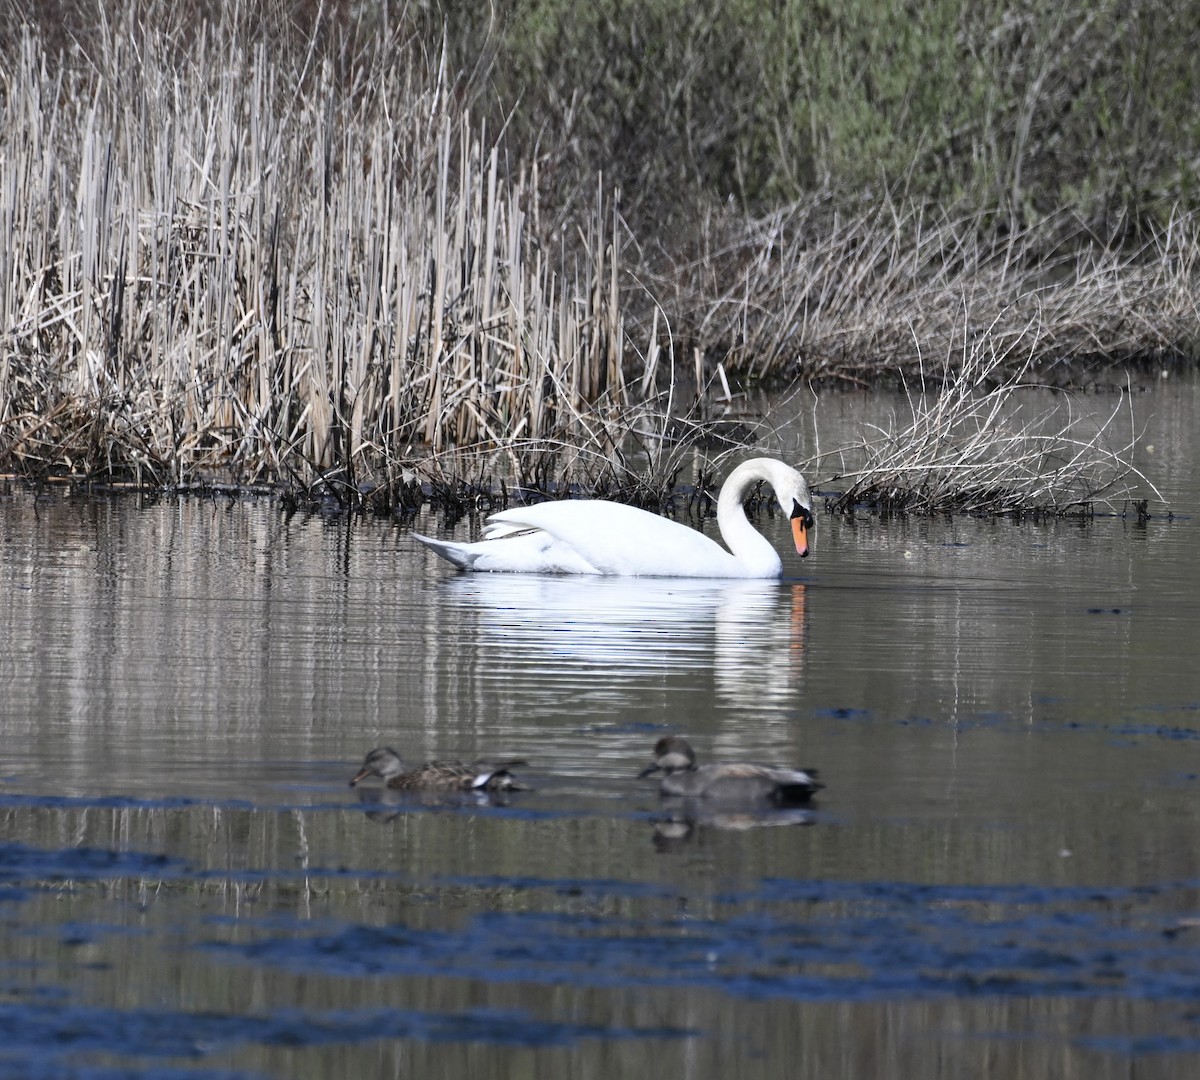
{"x": 973, "y": 444}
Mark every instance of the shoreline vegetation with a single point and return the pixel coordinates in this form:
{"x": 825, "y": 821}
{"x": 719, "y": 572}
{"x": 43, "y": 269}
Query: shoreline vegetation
{"x": 374, "y": 256}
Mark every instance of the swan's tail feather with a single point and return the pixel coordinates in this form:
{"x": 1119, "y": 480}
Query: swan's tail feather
{"x": 458, "y": 554}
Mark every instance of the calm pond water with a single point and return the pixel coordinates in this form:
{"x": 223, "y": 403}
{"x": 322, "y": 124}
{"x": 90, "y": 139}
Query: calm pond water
{"x": 1001, "y": 877}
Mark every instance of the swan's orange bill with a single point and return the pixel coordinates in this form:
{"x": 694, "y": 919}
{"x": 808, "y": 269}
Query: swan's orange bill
{"x": 800, "y": 535}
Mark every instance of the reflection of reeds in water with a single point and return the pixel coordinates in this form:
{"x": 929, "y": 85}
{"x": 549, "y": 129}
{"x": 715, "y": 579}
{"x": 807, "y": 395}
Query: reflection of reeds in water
{"x": 225, "y": 266}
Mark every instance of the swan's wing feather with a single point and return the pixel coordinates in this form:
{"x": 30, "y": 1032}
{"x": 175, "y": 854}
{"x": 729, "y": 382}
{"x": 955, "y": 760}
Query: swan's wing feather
{"x": 528, "y": 551}
{"x": 458, "y": 554}
{"x": 499, "y": 530}
{"x": 618, "y": 539}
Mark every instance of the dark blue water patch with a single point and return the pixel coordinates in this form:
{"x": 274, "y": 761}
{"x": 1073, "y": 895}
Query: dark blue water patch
{"x": 21, "y": 865}
{"x": 116, "y": 802}
{"x": 628, "y": 727}
{"x": 23, "y": 992}
{"x": 382, "y": 805}
{"x": 1129, "y": 733}
{"x": 864, "y": 943}
{"x": 1001, "y": 721}
{"x": 792, "y": 890}
{"x": 75, "y": 934}
{"x": 981, "y": 720}
{"x": 36, "y": 1066}
{"x": 145, "y": 1033}
{"x": 24, "y": 870}
{"x": 1140, "y": 1045}
{"x": 1123, "y": 731}
{"x": 597, "y": 887}
{"x": 1156, "y": 731}
{"x": 842, "y": 712}
{"x": 18, "y": 862}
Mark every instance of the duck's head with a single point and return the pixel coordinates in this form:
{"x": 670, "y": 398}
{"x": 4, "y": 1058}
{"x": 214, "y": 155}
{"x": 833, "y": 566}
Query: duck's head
{"x": 672, "y": 753}
{"x": 382, "y": 761}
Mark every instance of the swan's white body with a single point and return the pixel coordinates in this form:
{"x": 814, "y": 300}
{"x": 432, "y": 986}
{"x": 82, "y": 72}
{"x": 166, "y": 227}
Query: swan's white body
{"x": 590, "y": 536}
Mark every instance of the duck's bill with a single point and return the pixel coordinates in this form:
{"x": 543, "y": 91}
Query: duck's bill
{"x": 651, "y": 768}
{"x": 800, "y": 535}
{"x": 361, "y": 775}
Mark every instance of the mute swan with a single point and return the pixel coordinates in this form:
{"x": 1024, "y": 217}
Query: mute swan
{"x": 438, "y": 775}
{"x": 675, "y": 758}
{"x": 591, "y": 536}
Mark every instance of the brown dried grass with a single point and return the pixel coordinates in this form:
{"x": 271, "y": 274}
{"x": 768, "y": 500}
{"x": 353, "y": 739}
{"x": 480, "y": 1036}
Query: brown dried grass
{"x": 224, "y": 268}
{"x": 837, "y": 298}
{"x": 980, "y": 437}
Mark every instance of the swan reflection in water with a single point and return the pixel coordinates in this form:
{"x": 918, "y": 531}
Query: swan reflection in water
{"x": 750, "y": 633}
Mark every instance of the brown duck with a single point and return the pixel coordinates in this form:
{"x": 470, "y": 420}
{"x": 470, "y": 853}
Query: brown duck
{"x": 438, "y": 775}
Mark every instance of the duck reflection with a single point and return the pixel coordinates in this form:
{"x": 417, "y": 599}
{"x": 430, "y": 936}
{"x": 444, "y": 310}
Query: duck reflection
{"x": 688, "y": 819}
{"x": 384, "y": 804}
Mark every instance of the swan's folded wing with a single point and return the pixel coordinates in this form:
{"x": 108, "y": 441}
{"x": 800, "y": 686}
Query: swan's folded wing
{"x": 517, "y": 551}
{"x": 617, "y": 539}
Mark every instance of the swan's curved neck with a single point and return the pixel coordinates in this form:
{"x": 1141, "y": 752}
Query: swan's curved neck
{"x": 747, "y": 544}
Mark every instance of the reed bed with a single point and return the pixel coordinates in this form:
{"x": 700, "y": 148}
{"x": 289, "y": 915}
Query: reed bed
{"x": 222, "y": 267}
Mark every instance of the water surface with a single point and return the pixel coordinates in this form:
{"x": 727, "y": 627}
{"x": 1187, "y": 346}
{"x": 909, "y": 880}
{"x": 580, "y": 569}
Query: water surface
{"x": 1001, "y": 875}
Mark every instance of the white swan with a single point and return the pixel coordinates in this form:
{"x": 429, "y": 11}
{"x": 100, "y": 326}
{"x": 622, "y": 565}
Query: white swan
{"x": 591, "y": 536}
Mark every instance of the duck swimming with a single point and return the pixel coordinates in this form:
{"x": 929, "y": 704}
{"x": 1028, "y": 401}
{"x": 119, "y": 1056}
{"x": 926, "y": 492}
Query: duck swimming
{"x": 676, "y": 760}
{"x": 488, "y": 776}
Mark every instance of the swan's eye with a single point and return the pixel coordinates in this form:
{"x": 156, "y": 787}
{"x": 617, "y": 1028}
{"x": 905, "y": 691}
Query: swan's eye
{"x": 802, "y": 513}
